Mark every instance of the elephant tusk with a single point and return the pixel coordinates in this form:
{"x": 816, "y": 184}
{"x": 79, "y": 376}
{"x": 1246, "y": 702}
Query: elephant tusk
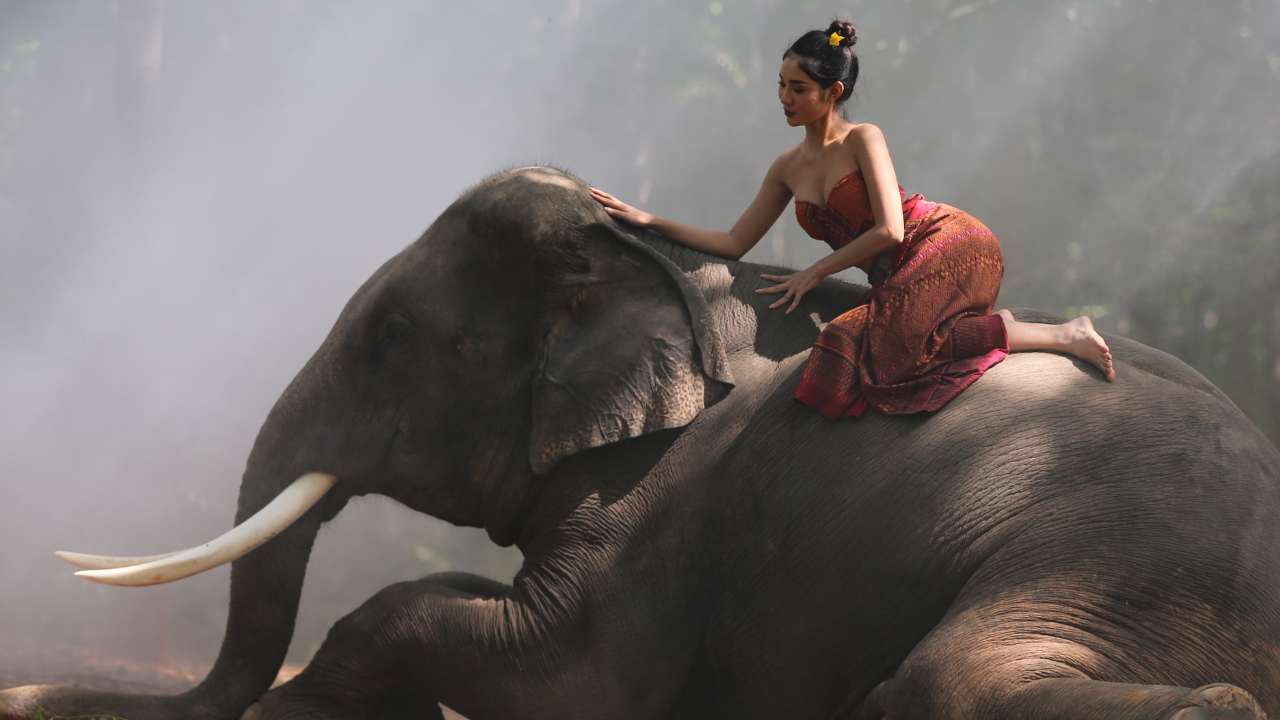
{"x": 103, "y": 562}
{"x": 237, "y": 542}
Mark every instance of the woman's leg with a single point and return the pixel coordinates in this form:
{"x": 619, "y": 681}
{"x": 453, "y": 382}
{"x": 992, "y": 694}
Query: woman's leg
{"x": 1074, "y": 337}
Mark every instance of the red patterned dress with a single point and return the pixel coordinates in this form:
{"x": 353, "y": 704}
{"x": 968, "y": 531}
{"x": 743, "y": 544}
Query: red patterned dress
{"x": 925, "y": 330}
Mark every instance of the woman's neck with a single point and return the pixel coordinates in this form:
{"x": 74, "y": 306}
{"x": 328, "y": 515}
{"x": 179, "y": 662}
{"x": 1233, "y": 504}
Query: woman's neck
{"x": 825, "y": 130}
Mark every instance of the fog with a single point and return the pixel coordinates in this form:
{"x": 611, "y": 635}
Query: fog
{"x": 189, "y": 193}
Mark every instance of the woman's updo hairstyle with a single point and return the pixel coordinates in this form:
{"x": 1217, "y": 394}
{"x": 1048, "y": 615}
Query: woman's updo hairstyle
{"x": 827, "y": 63}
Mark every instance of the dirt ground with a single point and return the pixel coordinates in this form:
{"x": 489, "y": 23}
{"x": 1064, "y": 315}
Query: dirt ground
{"x": 88, "y": 670}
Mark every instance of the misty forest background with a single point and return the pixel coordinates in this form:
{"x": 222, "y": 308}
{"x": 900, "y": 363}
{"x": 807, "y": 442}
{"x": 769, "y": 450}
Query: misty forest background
{"x": 190, "y": 191}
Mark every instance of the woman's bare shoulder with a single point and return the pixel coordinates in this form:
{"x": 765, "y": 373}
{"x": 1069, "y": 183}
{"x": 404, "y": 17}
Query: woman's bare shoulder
{"x": 783, "y": 166}
{"x": 862, "y": 135}
{"x": 787, "y": 157}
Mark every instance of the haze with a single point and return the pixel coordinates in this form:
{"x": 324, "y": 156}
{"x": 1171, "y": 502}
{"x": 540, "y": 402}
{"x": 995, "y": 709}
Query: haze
{"x": 189, "y": 193}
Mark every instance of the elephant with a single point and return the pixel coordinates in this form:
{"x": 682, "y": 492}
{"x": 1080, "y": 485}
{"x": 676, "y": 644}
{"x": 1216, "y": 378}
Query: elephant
{"x": 696, "y": 543}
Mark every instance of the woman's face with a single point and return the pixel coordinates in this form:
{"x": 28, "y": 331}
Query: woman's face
{"x": 803, "y": 101}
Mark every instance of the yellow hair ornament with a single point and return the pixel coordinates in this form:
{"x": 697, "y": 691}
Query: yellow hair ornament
{"x": 835, "y": 39}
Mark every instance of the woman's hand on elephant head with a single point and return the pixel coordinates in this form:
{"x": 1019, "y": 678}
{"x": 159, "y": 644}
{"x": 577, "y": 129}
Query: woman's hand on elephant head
{"x": 793, "y": 286}
{"x": 620, "y": 210}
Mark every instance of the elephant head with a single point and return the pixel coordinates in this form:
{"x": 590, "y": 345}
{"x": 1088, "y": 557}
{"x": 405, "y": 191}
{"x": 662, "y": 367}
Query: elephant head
{"x": 521, "y": 328}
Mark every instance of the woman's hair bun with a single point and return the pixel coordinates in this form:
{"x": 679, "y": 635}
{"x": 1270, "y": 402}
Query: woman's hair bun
{"x": 846, "y": 30}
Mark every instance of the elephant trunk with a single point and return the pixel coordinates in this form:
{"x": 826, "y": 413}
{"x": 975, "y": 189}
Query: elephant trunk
{"x": 266, "y": 586}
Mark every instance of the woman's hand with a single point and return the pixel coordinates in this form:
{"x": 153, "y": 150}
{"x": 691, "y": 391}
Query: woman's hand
{"x": 793, "y": 286}
{"x": 621, "y": 210}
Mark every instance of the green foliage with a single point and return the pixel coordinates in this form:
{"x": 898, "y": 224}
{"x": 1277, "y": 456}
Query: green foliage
{"x": 1216, "y": 308}
{"x": 1097, "y": 312}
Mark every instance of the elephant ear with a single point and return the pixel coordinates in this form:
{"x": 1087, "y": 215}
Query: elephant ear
{"x": 629, "y": 349}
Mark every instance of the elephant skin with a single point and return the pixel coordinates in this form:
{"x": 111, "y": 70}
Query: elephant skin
{"x": 697, "y": 544}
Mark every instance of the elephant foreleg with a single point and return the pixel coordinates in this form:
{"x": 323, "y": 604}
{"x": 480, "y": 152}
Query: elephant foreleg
{"x": 454, "y": 638}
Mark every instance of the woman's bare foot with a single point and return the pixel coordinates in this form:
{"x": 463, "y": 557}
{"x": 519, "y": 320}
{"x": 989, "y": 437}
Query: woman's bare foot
{"x": 1074, "y": 337}
{"x": 1080, "y": 339}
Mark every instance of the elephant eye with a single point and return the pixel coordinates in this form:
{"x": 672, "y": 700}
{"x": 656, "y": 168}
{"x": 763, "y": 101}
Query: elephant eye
{"x": 395, "y": 331}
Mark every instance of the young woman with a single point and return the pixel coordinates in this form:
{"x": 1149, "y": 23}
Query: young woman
{"x": 926, "y": 330}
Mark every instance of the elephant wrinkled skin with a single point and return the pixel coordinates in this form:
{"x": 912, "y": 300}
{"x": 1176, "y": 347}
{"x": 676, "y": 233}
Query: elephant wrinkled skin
{"x": 699, "y": 545}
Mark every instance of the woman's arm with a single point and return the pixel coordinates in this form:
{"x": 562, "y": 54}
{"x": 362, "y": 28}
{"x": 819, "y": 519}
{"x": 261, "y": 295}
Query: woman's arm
{"x": 764, "y": 210}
